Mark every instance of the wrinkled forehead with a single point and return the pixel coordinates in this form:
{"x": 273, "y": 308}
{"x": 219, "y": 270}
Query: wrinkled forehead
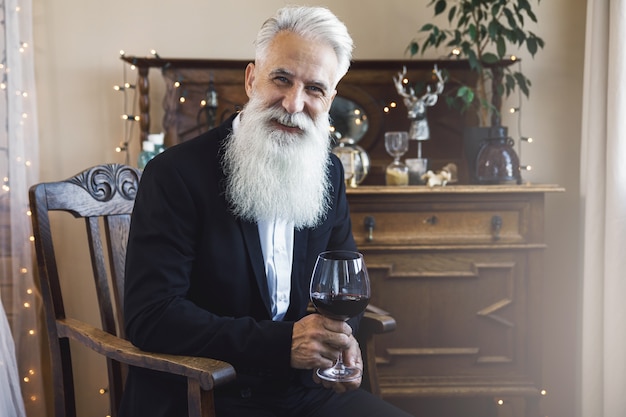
{"x": 303, "y": 56}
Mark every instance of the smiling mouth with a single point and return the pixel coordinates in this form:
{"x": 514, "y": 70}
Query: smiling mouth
{"x": 286, "y": 126}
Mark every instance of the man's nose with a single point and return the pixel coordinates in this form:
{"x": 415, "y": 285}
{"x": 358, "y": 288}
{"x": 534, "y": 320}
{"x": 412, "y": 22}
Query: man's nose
{"x": 293, "y": 102}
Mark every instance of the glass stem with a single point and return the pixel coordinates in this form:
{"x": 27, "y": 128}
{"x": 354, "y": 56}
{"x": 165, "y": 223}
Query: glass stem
{"x": 339, "y": 368}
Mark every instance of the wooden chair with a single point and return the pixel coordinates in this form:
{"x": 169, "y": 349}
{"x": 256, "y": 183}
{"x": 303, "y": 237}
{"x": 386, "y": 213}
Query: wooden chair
{"x": 104, "y": 196}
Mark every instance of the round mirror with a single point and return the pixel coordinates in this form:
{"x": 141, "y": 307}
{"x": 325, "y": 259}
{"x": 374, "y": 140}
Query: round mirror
{"x": 348, "y": 119}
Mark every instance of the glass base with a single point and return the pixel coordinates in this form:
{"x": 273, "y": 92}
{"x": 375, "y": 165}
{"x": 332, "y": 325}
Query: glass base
{"x": 339, "y": 373}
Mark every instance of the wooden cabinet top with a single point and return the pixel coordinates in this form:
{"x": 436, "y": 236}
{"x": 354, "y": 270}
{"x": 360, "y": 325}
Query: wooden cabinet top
{"x": 454, "y": 189}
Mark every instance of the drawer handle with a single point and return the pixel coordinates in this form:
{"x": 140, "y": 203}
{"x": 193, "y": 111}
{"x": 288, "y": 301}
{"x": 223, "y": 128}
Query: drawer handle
{"x": 496, "y": 226}
{"x": 369, "y": 224}
{"x": 433, "y": 220}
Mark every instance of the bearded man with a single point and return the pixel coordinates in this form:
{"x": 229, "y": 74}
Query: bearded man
{"x": 225, "y": 233}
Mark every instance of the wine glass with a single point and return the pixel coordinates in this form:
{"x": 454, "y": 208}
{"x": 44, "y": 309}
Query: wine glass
{"x": 397, "y": 144}
{"x": 340, "y": 289}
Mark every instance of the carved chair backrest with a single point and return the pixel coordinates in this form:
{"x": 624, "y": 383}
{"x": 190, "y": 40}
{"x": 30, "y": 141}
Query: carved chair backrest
{"x": 103, "y": 196}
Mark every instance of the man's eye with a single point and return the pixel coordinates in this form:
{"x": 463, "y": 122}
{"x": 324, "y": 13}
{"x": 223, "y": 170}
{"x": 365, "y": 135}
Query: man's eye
{"x": 316, "y": 89}
{"x": 281, "y": 80}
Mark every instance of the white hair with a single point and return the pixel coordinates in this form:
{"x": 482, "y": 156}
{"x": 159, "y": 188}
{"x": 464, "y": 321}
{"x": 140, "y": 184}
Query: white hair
{"x": 314, "y": 23}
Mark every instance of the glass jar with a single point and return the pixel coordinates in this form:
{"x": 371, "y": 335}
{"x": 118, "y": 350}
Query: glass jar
{"x": 355, "y": 161}
{"x": 497, "y": 162}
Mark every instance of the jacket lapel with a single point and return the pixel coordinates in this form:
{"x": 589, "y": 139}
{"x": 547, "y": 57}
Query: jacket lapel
{"x": 253, "y": 244}
{"x": 299, "y": 279}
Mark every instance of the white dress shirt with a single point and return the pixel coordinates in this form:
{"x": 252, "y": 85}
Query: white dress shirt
{"x": 277, "y": 245}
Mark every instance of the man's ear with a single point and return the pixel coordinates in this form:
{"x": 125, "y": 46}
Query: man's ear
{"x": 249, "y": 78}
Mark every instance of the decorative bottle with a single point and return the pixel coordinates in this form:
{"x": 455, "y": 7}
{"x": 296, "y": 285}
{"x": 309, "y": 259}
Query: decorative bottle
{"x": 146, "y": 154}
{"x": 157, "y": 139}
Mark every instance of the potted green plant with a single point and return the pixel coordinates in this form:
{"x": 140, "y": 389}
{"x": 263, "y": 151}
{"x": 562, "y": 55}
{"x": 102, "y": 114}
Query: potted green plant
{"x": 483, "y": 31}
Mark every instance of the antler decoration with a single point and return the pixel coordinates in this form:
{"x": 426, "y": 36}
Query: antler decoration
{"x": 416, "y": 106}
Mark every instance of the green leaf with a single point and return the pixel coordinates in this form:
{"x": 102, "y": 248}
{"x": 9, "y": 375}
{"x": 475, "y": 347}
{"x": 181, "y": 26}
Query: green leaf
{"x": 427, "y": 27}
{"x": 510, "y": 83}
{"x": 522, "y": 82}
{"x": 466, "y": 94}
{"x": 501, "y": 47}
{"x": 472, "y": 59}
{"x": 490, "y": 58}
{"x": 510, "y": 18}
{"x": 473, "y": 32}
{"x": 440, "y": 6}
{"x": 451, "y": 14}
{"x": 531, "y": 44}
{"x": 414, "y": 48}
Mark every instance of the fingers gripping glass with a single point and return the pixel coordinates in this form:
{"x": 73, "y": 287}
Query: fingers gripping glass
{"x": 340, "y": 289}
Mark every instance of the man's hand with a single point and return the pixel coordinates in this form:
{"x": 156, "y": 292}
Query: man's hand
{"x": 317, "y": 342}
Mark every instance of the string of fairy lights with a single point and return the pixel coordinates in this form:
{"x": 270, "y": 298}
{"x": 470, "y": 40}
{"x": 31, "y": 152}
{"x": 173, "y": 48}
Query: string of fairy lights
{"x": 206, "y": 106}
{"x": 129, "y": 110}
{"x": 16, "y": 104}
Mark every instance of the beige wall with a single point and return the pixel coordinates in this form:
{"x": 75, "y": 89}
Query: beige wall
{"x": 77, "y": 44}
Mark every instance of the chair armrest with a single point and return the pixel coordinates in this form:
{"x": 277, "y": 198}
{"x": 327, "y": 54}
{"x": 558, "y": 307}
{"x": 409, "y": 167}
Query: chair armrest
{"x": 210, "y": 373}
{"x": 377, "y": 321}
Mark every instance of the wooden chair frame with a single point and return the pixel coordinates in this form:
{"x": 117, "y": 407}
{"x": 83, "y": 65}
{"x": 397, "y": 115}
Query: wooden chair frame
{"x": 104, "y": 197}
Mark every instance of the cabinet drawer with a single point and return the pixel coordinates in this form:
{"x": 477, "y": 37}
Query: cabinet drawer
{"x": 441, "y": 225}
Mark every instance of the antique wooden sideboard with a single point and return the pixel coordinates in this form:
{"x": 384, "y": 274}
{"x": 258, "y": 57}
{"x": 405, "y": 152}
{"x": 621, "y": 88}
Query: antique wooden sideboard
{"x": 459, "y": 267}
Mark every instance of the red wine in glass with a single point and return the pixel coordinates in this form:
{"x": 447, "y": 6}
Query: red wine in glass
{"x": 339, "y": 306}
{"x": 340, "y": 289}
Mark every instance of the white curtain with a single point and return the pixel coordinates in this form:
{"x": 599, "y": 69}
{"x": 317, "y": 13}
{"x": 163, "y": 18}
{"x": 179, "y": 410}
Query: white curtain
{"x": 18, "y": 170}
{"x": 603, "y": 197}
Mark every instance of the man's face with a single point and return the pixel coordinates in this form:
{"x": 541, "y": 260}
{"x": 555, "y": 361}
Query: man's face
{"x": 296, "y": 75}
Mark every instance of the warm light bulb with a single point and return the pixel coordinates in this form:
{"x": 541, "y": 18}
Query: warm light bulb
{"x": 182, "y": 99}
{"x": 393, "y": 104}
{"x": 500, "y": 402}
{"x": 386, "y": 109}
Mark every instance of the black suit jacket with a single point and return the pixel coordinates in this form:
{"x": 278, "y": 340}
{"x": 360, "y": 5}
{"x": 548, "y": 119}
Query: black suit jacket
{"x": 195, "y": 280}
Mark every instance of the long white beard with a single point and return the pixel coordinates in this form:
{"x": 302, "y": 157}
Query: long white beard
{"x": 273, "y": 175}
